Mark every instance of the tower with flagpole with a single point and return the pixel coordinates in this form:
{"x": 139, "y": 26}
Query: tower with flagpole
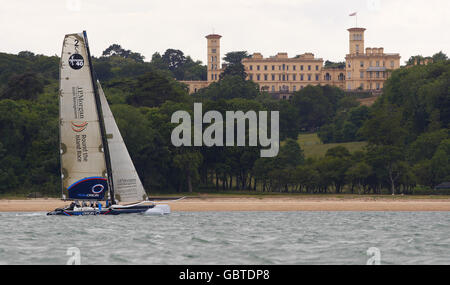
{"x": 355, "y": 14}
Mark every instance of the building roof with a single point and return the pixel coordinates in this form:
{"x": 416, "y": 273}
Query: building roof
{"x": 356, "y": 29}
{"x": 213, "y": 36}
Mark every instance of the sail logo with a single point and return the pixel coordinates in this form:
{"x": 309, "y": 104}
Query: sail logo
{"x": 77, "y": 127}
{"x": 78, "y": 102}
{"x": 96, "y": 189}
{"x": 76, "y": 61}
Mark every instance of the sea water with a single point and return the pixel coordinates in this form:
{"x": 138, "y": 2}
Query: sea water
{"x": 227, "y": 238}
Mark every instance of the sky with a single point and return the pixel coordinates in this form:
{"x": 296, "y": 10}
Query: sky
{"x": 408, "y": 27}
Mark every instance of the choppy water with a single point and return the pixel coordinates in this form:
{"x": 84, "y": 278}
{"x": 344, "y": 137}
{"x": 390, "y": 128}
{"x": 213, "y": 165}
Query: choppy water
{"x": 228, "y": 238}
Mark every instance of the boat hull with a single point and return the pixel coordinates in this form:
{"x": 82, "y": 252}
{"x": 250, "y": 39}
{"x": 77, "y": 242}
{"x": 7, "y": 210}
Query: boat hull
{"x": 108, "y": 211}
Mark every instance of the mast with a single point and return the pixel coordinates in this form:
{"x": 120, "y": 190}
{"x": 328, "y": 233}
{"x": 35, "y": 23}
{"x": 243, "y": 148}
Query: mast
{"x": 102, "y": 123}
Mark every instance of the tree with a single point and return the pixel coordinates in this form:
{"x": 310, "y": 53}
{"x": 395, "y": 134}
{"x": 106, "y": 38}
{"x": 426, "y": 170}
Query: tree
{"x": 117, "y": 50}
{"x": 234, "y": 66}
{"x": 384, "y": 127}
{"x": 440, "y": 56}
{"x": 290, "y": 155}
{"x": 188, "y": 162}
{"x": 388, "y": 159}
{"x": 154, "y": 88}
{"x": 335, "y": 64}
{"x": 174, "y": 59}
{"x": 229, "y": 87}
{"x": 315, "y": 106}
{"x": 357, "y": 175}
{"x": 23, "y": 86}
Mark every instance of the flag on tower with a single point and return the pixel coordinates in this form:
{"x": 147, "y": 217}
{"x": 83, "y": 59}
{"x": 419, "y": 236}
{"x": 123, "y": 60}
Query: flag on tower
{"x": 353, "y": 14}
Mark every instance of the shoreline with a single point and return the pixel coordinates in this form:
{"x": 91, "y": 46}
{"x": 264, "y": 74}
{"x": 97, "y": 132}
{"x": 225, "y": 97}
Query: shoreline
{"x": 205, "y": 203}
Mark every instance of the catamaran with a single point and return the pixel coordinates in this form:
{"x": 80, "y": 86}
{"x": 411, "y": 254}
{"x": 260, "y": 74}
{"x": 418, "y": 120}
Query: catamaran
{"x": 95, "y": 163}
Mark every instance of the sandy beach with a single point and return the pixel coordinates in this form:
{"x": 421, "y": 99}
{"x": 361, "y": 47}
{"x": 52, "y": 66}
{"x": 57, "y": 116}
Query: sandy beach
{"x": 269, "y": 203}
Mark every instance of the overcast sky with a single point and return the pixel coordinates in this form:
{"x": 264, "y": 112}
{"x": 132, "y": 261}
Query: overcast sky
{"x": 408, "y": 27}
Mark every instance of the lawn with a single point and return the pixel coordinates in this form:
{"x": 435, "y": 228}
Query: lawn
{"x": 313, "y": 147}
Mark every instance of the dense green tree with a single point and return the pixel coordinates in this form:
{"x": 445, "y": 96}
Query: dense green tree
{"x": 234, "y": 66}
{"x": 154, "y": 88}
{"x": 117, "y": 50}
{"x": 23, "y": 86}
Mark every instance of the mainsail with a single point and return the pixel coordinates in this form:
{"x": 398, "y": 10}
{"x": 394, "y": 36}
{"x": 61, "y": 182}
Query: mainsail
{"x": 127, "y": 185}
{"x": 83, "y": 164}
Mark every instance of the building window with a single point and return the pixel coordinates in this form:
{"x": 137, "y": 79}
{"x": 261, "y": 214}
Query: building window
{"x": 284, "y": 66}
{"x": 273, "y": 67}
{"x": 251, "y": 76}
{"x": 293, "y": 67}
{"x": 265, "y": 77}
{"x": 273, "y": 88}
{"x": 349, "y": 86}
{"x": 309, "y": 77}
{"x": 361, "y": 86}
{"x": 213, "y": 50}
{"x": 284, "y": 77}
{"x": 301, "y": 77}
{"x": 215, "y": 76}
{"x": 357, "y": 48}
{"x": 378, "y": 63}
{"x": 294, "y": 88}
{"x": 361, "y": 64}
{"x": 349, "y": 75}
{"x": 212, "y": 76}
{"x": 301, "y": 67}
{"x": 251, "y": 67}
{"x": 309, "y": 67}
{"x": 317, "y": 67}
{"x": 378, "y": 86}
{"x": 349, "y": 64}
{"x": 265, "y": 67}
{"x": 361, "y": 74}
{"x": 273, "y": 77}
{"x": 294, "y": 77}
{"x": 258, "y": 77}
{"x": 317, "y": 77}
{"x": 257, "y": 67}
{"x": 378, "y": 74}
{"x": 279, "y": 77}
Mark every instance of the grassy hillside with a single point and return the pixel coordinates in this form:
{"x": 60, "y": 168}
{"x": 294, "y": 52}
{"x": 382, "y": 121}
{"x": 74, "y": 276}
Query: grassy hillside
{"x": 313, "y": 147}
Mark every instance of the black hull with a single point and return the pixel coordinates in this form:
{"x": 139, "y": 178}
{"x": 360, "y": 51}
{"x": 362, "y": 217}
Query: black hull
{"x": 108, "y": 211}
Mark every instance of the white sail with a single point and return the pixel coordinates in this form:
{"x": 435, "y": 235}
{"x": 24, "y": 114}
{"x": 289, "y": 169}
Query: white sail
{"x": 127, "y": 185}
{"x": 82, "y": 158}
